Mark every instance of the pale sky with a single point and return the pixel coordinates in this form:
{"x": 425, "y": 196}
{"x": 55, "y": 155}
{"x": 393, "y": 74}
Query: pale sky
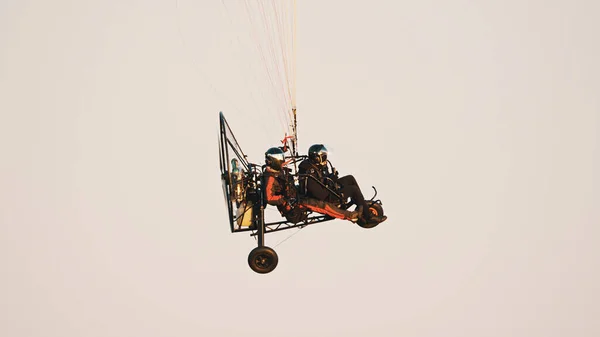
{"x": 477, "y": 122}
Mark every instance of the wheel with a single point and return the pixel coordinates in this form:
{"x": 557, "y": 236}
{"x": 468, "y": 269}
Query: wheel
{"x": 376, "y": 210}
{"x": 263, "y": 260}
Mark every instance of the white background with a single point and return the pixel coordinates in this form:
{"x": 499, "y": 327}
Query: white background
{"x": 477, "y": 122}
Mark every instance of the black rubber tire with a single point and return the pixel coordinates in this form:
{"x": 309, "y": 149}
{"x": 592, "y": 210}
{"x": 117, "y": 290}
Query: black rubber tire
{"x": 376, "y": 210}
{"x": 263, "y": 260}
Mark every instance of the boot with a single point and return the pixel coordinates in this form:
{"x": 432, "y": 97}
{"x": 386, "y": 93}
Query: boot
{"x": 353, "y": 216}
{"x": 362, "y": 214}
{"x": 356, "y": 215}
{"x": 360, "y": 210}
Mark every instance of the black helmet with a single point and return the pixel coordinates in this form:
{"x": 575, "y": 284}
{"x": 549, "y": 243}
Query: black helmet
{"x": 274, "y": 158}
{"x": 318, "y": 154}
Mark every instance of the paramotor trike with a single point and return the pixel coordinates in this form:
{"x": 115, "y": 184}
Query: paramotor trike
{"x": 243, "y": 182}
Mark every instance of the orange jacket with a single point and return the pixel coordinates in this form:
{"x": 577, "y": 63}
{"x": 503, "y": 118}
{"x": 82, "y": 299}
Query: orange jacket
{"x": 278, "y": 189}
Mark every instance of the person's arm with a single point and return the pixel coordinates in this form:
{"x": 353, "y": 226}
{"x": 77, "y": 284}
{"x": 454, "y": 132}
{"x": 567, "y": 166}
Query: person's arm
{"x": 316, "y": 189}
{"x": 274, "y": 196}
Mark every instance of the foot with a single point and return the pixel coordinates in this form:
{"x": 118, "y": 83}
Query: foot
{"x": 353, "y": 216}
{"x": 359, "y": 209}
{"x": 360, "y": 216}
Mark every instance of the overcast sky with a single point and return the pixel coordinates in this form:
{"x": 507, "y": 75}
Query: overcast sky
{"x": 477, "y": 122}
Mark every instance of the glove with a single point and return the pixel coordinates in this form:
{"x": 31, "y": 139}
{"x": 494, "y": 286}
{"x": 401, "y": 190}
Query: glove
{"x": 288, "y": 205}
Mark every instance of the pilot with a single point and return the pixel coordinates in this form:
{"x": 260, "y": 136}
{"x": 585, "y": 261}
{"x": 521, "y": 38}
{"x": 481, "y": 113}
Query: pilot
{"x": 316, "y": 166}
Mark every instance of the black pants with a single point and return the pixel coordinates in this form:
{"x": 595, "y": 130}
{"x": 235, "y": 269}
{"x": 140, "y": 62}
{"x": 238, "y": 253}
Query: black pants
{"x": 351, "y": 189}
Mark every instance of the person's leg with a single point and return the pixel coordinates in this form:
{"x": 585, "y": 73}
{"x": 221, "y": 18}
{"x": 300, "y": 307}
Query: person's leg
{"x": 354, "y": 193}
{"x": 351, "y": 189}
{"x": 348, "y": 180}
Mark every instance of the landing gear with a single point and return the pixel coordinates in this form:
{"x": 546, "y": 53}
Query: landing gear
{"x": 376, "y": 211}
{"x": 263, "y": 259}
